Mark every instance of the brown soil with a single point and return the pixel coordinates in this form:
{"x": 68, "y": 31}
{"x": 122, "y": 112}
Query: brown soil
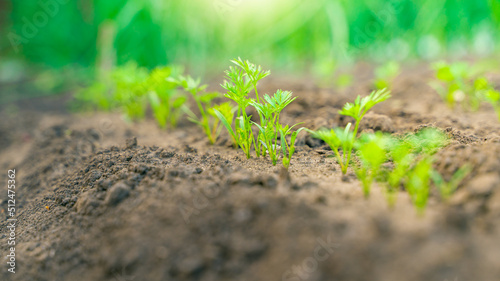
{"x": 94, "y": 204}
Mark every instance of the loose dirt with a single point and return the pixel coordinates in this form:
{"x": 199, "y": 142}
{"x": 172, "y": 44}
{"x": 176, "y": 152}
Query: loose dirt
{"x": 102, "y": 199}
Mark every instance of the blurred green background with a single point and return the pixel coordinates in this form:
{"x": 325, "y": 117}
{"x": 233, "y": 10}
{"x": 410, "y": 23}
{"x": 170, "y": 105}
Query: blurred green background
{"x": 49, "y": 45}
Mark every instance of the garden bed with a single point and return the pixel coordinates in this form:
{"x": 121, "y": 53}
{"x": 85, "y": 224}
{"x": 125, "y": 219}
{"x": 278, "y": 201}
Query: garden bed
{"x": 101, "y": 199}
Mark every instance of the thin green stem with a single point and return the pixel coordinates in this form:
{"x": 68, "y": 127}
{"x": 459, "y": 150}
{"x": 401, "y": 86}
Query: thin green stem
{"x": 200, "y": 106}
{"x": 351, "y": 143}
{"x": 256, "y": 93}
{"x": 339, "y": 159}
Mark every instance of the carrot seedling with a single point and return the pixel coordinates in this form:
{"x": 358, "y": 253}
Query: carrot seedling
{"x": 400, "y": 151}
{"x": 288, "y": 148}
{"x": 204, "y": 101}
{"x": 459, "y": 83}
{"x": 493, "y": 97}
{"x": 166, "y": 103}
{"x": 270, "y": 128}
{"x": 226, "y": 110}
{"x": 418, "y": 185}
{"x": 253, "y": 72}
{"x": 426, "y": 141}
{"x": 129, "y": 91}
{"x": 416, "y": 179}
{"x": 371, "y": 151}
{"x": 358, "y": 109}
{"x": 95, "y": 96}
{"x": 336, "y": 139}
{"x": 239, "y": 82}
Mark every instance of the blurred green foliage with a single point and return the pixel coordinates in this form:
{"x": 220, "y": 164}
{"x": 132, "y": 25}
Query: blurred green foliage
{"x": 299, "y": 36}
{"x": 61, "y": 32}
{"x": 463, "y": 84}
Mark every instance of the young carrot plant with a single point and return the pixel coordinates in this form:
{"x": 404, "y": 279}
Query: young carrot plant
{"x": 239, "y": 82}
{"x": 426, "y": 141}
{"x": 204, "y": 101}
{"x": 336, "y": 139}
{"x": 418, "y": 185}
{"x": 371, "y": 151}
{"x": 132, "y": 89}
{"x": 288, "y": 148}
{"x": 459, "y": 83}
{"x": 166, "y": 103}
{"x": 270, "y": 128}
{"x": 345, "y": 139}
{"x": 358, "y": 110}
{"x": 253, "y": 72}
{"x": 400, "y": 151}
{"x": 226, "y": 110}
{"x": 404, "y": 152}
{"x": 129, "y": 93}
{"x": 96, "y": 96}
{"x": 493, "y": 97}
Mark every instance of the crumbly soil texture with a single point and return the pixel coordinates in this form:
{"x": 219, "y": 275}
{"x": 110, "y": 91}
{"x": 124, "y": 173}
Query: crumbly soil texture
{"x": 99, "y": 198}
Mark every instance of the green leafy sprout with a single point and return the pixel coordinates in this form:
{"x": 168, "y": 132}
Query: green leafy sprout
{"x": 412, "y": 156}
{"x": 460, "y": 84}
{"x": 288, "y": 148}
{"x": 129, "y": 92}
{"x": 253, "y": 72}
{"x": 238, "y": 85}
{"x": 270, "y": 128}
{"x": 271, "y": 136}
{"x": 493, "y": 97}
{"x": 372, "y": 153}
{"x": 132, "y": 89}
{"x": 337, "y": 139}
{"x": 204, "y": 101}
{"x": 402, "y": 156}
{"x": 167, "y": 104}
{"x": 418, "y": 182}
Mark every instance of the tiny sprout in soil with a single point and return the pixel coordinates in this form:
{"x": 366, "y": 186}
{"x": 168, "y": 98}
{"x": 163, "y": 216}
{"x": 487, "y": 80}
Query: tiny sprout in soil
{"x": 344, "y": 138}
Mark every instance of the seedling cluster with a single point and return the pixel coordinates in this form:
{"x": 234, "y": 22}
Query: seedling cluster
{"x": 410, "y": 156}
{"x": 132, "y": 89}
{"x": 344, "y": 138}
{"x": 394, "y": 163}
{"x": 271, "y": 136}
{"x": 167, "y": 92}
{"x": 462, "y": 84}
